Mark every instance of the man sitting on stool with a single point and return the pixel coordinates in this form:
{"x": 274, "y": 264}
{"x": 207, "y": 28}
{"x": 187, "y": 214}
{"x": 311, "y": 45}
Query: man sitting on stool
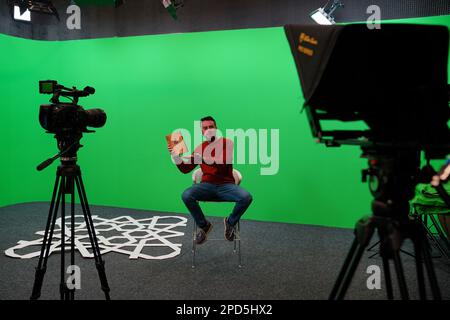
{"x": 215, "y": 157}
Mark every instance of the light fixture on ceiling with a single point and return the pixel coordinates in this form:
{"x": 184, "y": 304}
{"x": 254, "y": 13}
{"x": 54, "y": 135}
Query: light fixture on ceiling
{"x": 23, "y": 9}
{"x": 21, "y": 12}
{"x": 85, "y": 3}
{"x": 325, "y": 15}
{"x": 172, "y": 6}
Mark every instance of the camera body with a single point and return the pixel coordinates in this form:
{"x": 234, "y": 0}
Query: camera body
{"x": 67, "y": 118}
{"x": 64, "y": 117}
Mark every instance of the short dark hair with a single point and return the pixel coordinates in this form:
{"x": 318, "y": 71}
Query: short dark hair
{"x": 208, "y": 118}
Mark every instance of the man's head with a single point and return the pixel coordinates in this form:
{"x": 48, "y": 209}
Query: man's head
{"x": 209, "y": 128}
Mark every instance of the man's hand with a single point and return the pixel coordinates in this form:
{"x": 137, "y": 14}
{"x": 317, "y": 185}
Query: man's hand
{"x": 443, "y": 175}
{"x": 198, "y": 159}
{"x": 175, "y": 157}
{"x": 172, "y": 153}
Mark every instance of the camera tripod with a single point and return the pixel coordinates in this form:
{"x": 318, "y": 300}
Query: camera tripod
{"x": 392, "y": 233}
{"x": 68, "y": 178}
{"x": 393, "y": 181}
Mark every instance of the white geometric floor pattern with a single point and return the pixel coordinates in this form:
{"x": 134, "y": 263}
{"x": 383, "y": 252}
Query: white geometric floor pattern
{"x": 148, "y": 238}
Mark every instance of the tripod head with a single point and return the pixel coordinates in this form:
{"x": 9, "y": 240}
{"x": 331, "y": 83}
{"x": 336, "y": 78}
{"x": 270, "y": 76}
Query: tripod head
{"x": 392, "y": 177}
{"x": 68, "y": 147}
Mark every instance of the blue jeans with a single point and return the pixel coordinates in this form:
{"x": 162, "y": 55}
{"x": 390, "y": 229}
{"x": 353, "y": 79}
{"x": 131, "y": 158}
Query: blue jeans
{"x": 228, "y": 192}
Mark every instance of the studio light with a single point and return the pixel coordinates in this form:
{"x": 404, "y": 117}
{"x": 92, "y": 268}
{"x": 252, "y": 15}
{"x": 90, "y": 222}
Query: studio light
{"x": 172, "y": 6}
{"x": 115, "y": 3}
{"x": 325, "y": 15}
{"x": 22, "y": 13}
{"x": 42, "y": 6}
{"x": 23, "y": 9}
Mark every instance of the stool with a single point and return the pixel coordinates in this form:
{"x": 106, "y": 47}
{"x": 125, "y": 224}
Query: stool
{"x": 423, "y": 216}
{"x": 197, "y": 178}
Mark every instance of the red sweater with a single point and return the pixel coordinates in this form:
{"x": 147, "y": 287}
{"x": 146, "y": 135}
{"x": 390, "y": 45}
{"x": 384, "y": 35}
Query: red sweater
{"x": 214, "y": 171}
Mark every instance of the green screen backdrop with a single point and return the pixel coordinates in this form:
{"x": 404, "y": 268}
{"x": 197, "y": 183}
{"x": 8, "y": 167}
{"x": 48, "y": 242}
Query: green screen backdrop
{"x": 150, "y": 85}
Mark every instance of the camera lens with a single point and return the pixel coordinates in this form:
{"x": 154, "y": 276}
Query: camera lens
{"x": 95, "y": 118}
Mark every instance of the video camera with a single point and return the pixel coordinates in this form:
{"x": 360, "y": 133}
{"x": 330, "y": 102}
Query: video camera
{"x": 67, "y": 118}
{"x": 393, "y": 79}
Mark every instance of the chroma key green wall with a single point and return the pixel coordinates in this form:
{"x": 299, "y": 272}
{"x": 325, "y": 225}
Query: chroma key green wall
{"x": 150, "y": 85}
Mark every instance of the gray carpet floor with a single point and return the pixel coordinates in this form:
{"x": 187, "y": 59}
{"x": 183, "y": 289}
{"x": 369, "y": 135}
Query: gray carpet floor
{"x": 280, "y": 261}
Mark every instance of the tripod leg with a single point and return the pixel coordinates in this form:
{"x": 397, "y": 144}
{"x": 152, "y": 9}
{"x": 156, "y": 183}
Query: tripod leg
{"x": 100, "y": 264}
{"x": 42, "y": 264}
{"x": 63, "y": 290}
{"x": 435, "y": 291}
{"x": 400, "y": 276}
{"x": 387, "y": 278}
{"x": 72, "y": 225}
{"x": 351, "y": 271}
{"x": 344, "y": 269}
{"x": 419, "y": 269}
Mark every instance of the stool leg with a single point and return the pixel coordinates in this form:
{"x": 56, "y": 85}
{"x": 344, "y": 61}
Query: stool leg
{"x": 239, "y": 244}
{"x": 236, "y": 236}
{"x": 194, "y": 247}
